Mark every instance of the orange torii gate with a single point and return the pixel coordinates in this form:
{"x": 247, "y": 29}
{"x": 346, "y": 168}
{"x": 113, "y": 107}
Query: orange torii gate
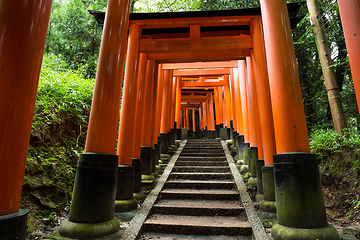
{"x": 195, "y": 37}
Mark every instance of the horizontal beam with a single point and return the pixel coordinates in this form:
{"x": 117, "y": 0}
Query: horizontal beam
{"x": 202, "y": 21}
{"x": 194, "y": 98}
{"x": 203, "y": 84}
{"x": 200, "y": 65}
{"x": 202, "y": 72}
{"x": 176, "y": 57}
{"x": 192, "y": 45}
{"x": 187, "y": 34}
{"x": 186, "y": 105}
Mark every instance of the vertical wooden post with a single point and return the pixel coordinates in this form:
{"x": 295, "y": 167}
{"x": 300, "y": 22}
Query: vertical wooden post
{"x": 173, "y": 103}
{"x": 140, "y": 106}
{"x": 251, "y": 105}
{"x": 224, "y": 106}
{"x": 146, "y": 138}
{"x": 104, "y": 114}
{"x": 349, "y": 13}
{"x": 240, "y": 124}
{"x": 211, "y": 108}
{"x": 178, "y": 102}
{"x": 193, "y": 120}
{"x": 296, "y": 172}
{"x": 233, "y": 75}
{"x": 23, "y": 28}
{"x": 263, "y": 90}
{"x": 227, "y": 101}
{"x": 126, "y": 131}
{"x": 159, "y": 100}
{"x": 166, "y": 102}
{"x": 220, "y": 106}
{"x": 243, "y": 95}
{"x": 288, "y": 111}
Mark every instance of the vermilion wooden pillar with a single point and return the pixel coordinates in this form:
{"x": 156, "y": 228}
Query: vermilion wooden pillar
{"x": 178, "y": 102}
{"x": 244, "y": 102}
{"x": 220, "y": 117}
{"x": 204, "y": 109}
{"x": 233, "y": 75}
{"x": 252, "y": 89}
{"x": 238, "y": 102}
{"x": 23, "y": 28}
{"x": 166, "y": 102}
{"x": 296, "y": 173}
{"x": 140, "y": 106}
{"x": 211, "y": 108}
{"x": 126, "y": 131}
{"x": 187, "y": 119}
{"x": 251, "y": 105}
{"x": 349, "y": 13}
{"x": 92, "y": 199}
{"x": 227, "y": 96}
{"x": 153, "y": 134}
{"x": 263, "y": 90}
{"x": 159, "y": 99}
{"x": 224, "y": 106}
{"x": 146, "y": 138}
{"x": 193, "y": 120}
{"x": 173, "y": 103}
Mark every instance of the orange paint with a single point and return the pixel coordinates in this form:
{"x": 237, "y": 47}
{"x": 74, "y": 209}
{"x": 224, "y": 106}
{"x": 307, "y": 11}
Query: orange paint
{"x": 349, "y": 13}
{"x": 148, "y": 107}
{"x": 104, "y": 115}
{"x": 251, "y": 104}
{"x": 263, "y": 93}
{"x": 178, "y": 102}
{"x": 256, "y": 110}
{"x": 165, "y": 122}
{"x": 211, "y": 108}
{"x": 152, "y": 115}
{"x": 240, "y": 126}
{"x": 173, "y": 103}
{"x": 159, "y": 98}
{"x": 227, "y": 101}
{"x": 234, "y": 74}
{"x": 288, "y": 110}
{"x": 139, "y": 106}
{"x": 128, "y": 105}
{"x": 23, "y": 29}
{"x": 243, "y": 96}
{"x": 193, "y": 120}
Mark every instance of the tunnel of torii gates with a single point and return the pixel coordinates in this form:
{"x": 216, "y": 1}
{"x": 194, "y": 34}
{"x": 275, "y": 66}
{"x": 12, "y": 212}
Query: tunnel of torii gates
{"x": 242, "y": 61}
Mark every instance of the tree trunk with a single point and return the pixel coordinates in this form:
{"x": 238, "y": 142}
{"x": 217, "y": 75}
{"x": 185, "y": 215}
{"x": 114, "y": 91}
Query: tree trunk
{"x": 329, "y": 76}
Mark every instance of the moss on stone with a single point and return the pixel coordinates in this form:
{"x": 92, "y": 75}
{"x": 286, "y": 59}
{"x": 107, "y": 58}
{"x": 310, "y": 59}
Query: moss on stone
{"x": 125, "y": 205}
{"x": 280, "y": 232}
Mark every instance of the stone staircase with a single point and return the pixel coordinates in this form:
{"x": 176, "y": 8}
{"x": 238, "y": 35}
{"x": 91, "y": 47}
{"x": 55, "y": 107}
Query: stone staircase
{"x": 199, "y": 199}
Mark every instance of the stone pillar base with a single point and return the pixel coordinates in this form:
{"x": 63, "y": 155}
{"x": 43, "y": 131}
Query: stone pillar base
{"x": 88, "y": 230}
{"x": 280, "y": 232}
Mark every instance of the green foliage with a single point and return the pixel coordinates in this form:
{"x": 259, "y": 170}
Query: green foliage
{"x": 73, "y": 34}
{"x": 330, "y": 140}
{"x": 59, "y": 127}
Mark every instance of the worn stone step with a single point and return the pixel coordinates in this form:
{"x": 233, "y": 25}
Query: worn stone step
{"x": 199, "y": 151}
{"x": 204, "y": 169}
{"x": 198, "y": 208}
{"x": 205, "y": 154}
{"x": 197, "y": 158}
{"x": 215, "y": 225}
{"x": 199, "y": 184}
{"x": 206, "y": 194}
{"x": 200, "y": 176}
{"x": 168, "y": 236}
{"x": 201, "y": 163}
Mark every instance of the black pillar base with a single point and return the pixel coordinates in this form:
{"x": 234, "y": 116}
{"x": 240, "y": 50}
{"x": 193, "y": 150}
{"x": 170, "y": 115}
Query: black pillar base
{"x": 228, "y": 133}
{"x": 217, "y": 131}
{"x": 259, "y": 164}
{"x": 178, "y": 134}
{"x": 241, "y": 146}
{"x": 164, "y": 143}
{"x": 14, "y": 225}
{"x": 137, "y": 164}
{"x": 125, "y": 200}
{"x": 184, "y": 134}
{"x": 299, "y": 198}
{"x": 269, "y": 203}
{"x": 173, "y": 136}
{"x": 93, "y": 200}
{"x": 146, "y": 167}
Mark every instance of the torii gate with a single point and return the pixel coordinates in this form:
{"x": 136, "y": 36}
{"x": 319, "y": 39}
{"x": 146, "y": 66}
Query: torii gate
{"x": 23, "y": 26}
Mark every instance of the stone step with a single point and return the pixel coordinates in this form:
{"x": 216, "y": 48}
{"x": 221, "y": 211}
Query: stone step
{"x": 205, "y": 194}
{"x": 196, "y": 158}
{"x": 198, "y": 208}
{"x": 204, "y": 225}
{"x": 201, "y": 163}
{"x": 199, "y": 151}
{"x": 168, "y": 236}
{"x": 219, "y": 169}
{"x": 200, "y": 176}
{"x": 206, "y": 154}
{"x": 199, "y": 184}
